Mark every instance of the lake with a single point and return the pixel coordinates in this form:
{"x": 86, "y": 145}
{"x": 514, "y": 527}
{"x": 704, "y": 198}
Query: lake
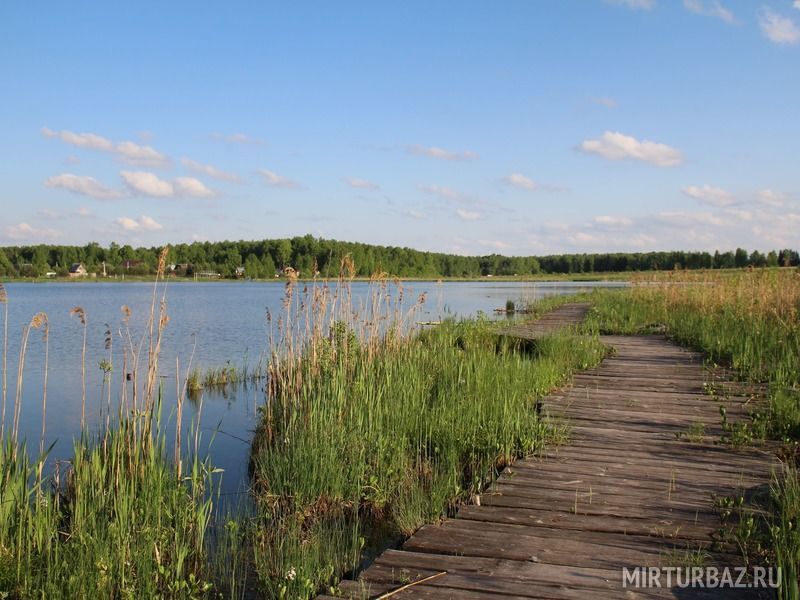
{"x": 220, "y": 321}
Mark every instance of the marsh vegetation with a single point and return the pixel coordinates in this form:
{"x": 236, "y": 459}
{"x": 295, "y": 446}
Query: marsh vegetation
{"x": 369, "y": 429}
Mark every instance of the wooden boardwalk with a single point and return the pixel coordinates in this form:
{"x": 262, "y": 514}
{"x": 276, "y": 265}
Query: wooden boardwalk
{"x": 634, "y": 486}
{"x": 564, "y": 316}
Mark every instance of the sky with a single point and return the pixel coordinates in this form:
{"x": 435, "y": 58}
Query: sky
{"x": 515, "y": 127}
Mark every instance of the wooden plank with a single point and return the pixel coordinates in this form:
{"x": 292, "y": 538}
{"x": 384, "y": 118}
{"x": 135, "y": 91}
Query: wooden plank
{"x": 663, "y": 527}
{"x": 529, "y": 548}
{"x": 652, "y": 463}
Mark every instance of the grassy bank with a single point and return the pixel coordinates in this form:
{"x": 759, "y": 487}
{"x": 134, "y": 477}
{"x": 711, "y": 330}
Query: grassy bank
{"x": 749, "y": 321}
{"x": 368, "y": 437}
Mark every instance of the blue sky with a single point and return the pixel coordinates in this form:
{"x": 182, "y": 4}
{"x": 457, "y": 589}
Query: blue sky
{"x": 471, "y": 127}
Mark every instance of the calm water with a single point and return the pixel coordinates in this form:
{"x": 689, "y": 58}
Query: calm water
{"x": 223, "y": 321}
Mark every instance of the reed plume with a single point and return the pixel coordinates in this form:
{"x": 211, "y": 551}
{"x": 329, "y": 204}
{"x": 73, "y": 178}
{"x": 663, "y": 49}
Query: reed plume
{"x": 78, "y": 312}
{"x": 4, "y": 302}
{"x": 40, "y": 321}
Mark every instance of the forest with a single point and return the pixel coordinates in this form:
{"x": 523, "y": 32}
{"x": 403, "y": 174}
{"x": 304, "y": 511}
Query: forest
{"x": 307, "y": 254}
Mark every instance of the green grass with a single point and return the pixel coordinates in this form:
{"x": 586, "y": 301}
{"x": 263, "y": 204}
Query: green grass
{"x": 118, "y": 523}
{"x": 122, "y": 519}
{"x": 362, "y": 442}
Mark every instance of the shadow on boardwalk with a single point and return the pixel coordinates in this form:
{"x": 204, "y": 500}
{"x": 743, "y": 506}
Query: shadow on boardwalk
{"x": 634, "y": 486}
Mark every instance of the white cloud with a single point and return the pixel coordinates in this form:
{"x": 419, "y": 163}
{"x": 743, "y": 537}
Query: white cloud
{"x": 764, "y": 227}
{"x": 149, "y": 184}
{"x": 82, "y": 184}
{"x": 142, "y": 156}
{"x": 82, "y": 140}
{"x": 274, "y": 180}
{"x": 129, "y": 152}
{"x": 235, "y": 138}
{"x": 439, "y": 190}
{"x": 24, "y": 231}
{"x": 127, "y": 223}
{"x": 637, "y": 241}
{"x": 520, "y": 181}
{"x": 796, "y": 4}
{"x": 210, "y": 171}
{"x": 617, "y": 146}
{"x": 143, "y": 223}
{"x": 440, "y": 153}
{"x": 709, "y": 194}
{"x": 189, "y": 186}
{"x": 613, "y": 221}
{"x": 414, "y": 214}
{"x": 149, "y": 223}
{"x": 361, "y": 184}
{"x": 684, "y": 219}
{"x": 710, "y": 9}
{"x": 779, "y": 29}
{"x": 635, "y": 4}
{"x": 83, "y": 212}
{"x": 771, "y": 197}
{"x": 467, "y": 215}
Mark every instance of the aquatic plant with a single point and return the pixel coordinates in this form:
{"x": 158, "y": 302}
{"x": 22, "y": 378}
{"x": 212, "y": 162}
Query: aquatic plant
{"x": 373, "y": 428}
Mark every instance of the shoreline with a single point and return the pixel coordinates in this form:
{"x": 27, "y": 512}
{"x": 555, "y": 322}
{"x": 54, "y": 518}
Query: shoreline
{"x": 609, "y": 277}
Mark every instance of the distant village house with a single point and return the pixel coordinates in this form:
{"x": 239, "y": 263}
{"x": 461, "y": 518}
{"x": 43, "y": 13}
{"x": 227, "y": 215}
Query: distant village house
{"x": 78, "y": 270}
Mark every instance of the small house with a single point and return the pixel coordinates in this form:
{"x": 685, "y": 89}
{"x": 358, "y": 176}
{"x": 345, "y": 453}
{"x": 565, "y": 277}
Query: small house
{"x": 78, "y": 270}
{"x": 239, "y": 271}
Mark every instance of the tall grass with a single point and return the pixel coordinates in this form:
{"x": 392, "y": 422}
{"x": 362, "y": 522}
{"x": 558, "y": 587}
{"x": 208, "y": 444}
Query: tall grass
{"x": 117, "y": 521}
{"x": 371, "y": 431}
{"x": 747, "y": 320}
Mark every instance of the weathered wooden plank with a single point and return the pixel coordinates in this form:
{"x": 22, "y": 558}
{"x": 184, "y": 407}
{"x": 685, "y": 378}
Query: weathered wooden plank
{"x": 648, "y": 463}
{"x": 580, "y": 495}
{"x": 659, "y": 487}
{"x": 567, "y": 551}
{"x": 663, "y": 527}
{"x": 756, "y": 462}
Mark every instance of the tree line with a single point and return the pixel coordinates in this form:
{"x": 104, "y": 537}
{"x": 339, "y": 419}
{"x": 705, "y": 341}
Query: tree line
{"x": 266, "y": 258}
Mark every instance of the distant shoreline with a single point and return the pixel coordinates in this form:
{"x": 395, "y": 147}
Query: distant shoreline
{"x": 619, "y": 276}
{"x": 623, "y": 276}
